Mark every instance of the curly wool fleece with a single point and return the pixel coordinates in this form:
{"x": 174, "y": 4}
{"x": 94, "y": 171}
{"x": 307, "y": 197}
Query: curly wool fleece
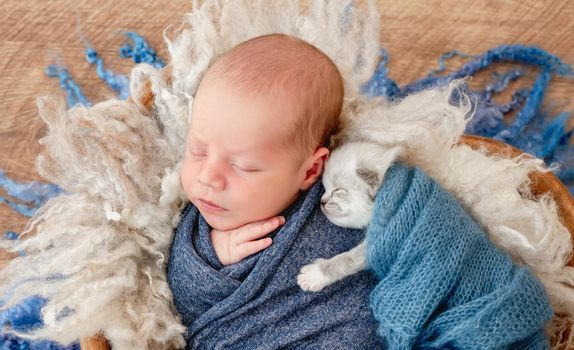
{"x": 107, "y": 239}
{"x": 101, "y": 249}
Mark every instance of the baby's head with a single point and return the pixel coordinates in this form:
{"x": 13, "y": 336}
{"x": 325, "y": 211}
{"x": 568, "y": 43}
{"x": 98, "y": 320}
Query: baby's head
{"x": 261, "y": 120}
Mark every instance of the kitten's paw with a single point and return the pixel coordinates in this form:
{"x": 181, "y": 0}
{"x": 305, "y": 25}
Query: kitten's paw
{"x": 311, "y": 278}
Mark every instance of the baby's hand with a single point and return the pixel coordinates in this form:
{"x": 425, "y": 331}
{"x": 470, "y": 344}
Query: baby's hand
{"x": 234, "y": 245}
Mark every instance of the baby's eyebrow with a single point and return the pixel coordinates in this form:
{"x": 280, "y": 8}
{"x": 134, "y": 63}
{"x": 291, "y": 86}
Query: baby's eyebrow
{"x": 235, "y": 152}
{"x": 196, "y": 138}
{"x": 239, "y": 152}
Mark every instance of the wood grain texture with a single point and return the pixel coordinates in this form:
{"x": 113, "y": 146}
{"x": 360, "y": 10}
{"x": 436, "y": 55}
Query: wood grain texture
{"x": 34, "y": 34}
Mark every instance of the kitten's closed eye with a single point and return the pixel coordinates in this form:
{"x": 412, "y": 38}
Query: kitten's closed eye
{"x": 341, "y": 193}
{"x": 336, "y": 193}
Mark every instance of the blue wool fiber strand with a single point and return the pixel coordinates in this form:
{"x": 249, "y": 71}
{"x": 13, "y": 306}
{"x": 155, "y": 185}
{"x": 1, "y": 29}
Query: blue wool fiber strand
{"x": 501, "y": 81}
{"x": 140, "y": 51}
{"x": 33, "y": 193}
{"x": 118, "y": 82}
{"x": 11, "y": 342}
{"x": 442, "y": 61}
{"x": 380, "y": 84}
{"x": 488, "y": 119}
{"x": 569, "y": 174}
{"x": 554, "y": 134}
{"x": 547, "y": 138}
{"x": 531, "y": 130}
{"x": 20, "y": 208}
{"x": 530, "y": 109}
{"x": 12, "y": 289}
{"x": 528, "y": 55}
{"x": 24, "y": 317}
{"x": 564, "y": 153}
{"x": 74, "y": 94}
{"x": 11, "y": 235}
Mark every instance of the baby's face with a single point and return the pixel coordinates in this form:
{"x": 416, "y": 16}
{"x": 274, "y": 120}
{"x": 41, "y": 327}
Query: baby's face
{"x": 235, "y": 170}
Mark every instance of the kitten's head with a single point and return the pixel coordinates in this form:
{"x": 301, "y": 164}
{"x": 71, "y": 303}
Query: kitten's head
{"x": 352, "y": 177}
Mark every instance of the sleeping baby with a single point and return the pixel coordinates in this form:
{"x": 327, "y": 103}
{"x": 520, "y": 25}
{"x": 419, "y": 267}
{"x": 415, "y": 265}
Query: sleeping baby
{"x": 261, "y": 122}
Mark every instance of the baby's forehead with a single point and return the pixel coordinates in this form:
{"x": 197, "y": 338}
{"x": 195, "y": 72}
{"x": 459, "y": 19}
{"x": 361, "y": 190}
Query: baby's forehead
{"x": 269, "y": 137}
{"x": 219, "y": 105}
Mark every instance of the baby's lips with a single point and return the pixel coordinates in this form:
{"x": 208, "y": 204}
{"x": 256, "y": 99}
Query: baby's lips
{"x": 211, "y": 205}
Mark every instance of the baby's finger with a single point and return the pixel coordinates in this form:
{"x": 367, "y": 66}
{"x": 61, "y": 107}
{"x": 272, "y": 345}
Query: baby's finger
{"x": 257, "y": 229}
{"x": 249, "y": 248}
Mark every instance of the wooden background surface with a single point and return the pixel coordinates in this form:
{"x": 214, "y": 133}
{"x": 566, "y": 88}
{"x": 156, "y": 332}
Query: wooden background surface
{"x": 35, "y": 33}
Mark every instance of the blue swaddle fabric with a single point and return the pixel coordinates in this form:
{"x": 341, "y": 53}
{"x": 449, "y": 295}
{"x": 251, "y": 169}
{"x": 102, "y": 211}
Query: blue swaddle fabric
{"x": 444, "y": 285}
{"x": 256, "y": 303}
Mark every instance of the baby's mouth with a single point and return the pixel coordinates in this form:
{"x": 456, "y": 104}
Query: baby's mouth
{"x": 210, "y": 205}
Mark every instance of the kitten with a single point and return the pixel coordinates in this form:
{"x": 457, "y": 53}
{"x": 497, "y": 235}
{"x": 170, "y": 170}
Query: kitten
{"x": 352, "y": 177}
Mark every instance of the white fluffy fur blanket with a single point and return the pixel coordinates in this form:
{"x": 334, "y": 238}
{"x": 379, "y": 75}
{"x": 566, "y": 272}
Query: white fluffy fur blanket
{"x": 108, "y": 237}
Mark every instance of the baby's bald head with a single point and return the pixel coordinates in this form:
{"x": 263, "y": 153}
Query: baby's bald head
{"x": 259, "y": 118}
{"x": 290, "y": 68}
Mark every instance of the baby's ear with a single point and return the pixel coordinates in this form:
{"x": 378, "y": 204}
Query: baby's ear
{"x": 315, "y": 169}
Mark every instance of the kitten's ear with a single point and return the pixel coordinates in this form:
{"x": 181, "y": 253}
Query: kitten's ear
{"x": 374, "y": 173}
{"x": 371, "y": 177}
{"x": 385, "y": 158}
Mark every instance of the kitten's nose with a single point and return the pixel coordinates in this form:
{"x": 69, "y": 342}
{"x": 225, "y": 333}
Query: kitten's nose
{"x": 324, "y": 201}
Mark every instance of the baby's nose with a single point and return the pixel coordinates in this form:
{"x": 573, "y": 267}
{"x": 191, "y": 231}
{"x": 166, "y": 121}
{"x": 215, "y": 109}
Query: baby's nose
{"x": 209, "y": 176}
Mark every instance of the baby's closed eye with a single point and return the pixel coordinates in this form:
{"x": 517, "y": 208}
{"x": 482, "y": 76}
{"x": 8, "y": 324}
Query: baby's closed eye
{"x": 246, "y": 169}
{"x": 196, "y": 151}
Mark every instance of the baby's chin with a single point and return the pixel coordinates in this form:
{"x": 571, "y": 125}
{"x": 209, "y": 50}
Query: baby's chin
{"x": 222, "y": 223}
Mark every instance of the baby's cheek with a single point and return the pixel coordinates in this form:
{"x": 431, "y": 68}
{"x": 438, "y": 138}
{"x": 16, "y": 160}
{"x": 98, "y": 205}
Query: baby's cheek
{"x": 186, "y": 178}
{"x": 243, "y": 199}
{"x": 249, "y": 200}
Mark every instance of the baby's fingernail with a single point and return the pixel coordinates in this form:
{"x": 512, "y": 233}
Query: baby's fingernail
{"x": 281, "y": 220}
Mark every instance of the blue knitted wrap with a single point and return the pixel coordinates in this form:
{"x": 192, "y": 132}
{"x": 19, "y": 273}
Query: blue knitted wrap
{"x": 438, "y": 282}
{"x": 444, "y": 285}
{"x": 256, "y": 303}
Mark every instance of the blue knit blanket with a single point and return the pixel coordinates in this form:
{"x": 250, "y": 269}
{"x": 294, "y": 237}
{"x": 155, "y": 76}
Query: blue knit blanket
{"x": 443, "y": 284}
{"x": 439, "y": 282}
